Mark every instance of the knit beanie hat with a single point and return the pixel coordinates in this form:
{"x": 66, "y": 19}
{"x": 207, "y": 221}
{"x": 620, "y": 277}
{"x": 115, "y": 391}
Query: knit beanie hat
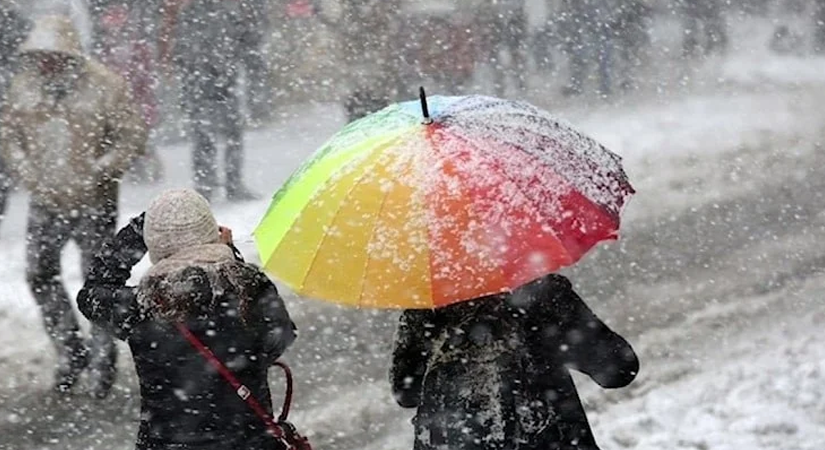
{"x": 178, "y": 219}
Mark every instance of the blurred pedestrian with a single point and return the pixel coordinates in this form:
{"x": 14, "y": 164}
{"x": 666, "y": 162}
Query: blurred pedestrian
{"x": 228, "y": 305}
{"x": 819, "y": 26}
{"x": 493, "y": 373}
{"x": 786, "y": 41}
{"x": 204, "y": 39}
{"x": 13, "y": 29}
{"x": 70, "y": 131}
{"x": 705, "y": 29}
{"x": 123, "y": 49}
{"x": 369, "y": 32}
{"x": 585, "y": 28}
{"x": 255, "y": 26}
{"x": 631, "y": 33}
{"x": 507, "y": 22}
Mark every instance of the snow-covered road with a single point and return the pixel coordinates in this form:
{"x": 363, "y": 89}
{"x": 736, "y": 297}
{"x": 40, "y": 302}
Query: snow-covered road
{"x": 717, "y": 281}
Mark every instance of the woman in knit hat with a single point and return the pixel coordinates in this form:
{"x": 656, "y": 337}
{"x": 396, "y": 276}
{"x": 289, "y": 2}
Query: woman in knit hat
{"x": 230, "y": 306}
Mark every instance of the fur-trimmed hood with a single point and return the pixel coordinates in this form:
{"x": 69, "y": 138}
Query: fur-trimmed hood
{"x": 192, "y": 280}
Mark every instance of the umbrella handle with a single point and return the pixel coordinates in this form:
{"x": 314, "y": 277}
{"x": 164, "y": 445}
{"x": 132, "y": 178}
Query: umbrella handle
{"x": 425, "y": 110}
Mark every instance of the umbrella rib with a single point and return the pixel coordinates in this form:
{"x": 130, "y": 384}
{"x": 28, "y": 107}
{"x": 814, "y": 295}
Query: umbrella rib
{"x": 340, "y": 207}
{"x": 581, "y": 160}
{"x": 324, "y": 238}
{"x": 518, "y": 188}
{"x": 372, "y": 234}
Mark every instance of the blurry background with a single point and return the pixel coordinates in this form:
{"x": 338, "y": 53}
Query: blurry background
{"x": 717, "y": 281}
{"x": 364, "y": 53}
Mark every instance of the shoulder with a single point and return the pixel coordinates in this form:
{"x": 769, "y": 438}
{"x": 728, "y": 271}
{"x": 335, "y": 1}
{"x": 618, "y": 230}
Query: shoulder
{"x": 552, "y": 285}
{"x": 250, "y": 278}
{"x": 555, "y": 281}
{"x": 103, "y": 77}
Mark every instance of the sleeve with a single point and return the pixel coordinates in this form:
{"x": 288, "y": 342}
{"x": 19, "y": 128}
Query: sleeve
{"x": 581, "y": 340}
{"x": 13, "y": 147}
{"x": 105, "y": 299}
{"x": 272, "y": 319}
{"x": 413, "y": 347}
{"x": 125, "y": 131}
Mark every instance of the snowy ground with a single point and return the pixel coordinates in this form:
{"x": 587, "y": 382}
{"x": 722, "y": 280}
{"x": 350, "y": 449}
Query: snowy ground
{"x": 717, "y": 281}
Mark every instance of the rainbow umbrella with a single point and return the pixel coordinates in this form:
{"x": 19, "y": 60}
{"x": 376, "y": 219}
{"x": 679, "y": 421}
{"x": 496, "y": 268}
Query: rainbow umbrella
{"x": 479, "y": 197}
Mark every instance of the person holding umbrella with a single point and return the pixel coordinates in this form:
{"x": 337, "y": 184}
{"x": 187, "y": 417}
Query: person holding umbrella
{"x": 459, "y": 210}
{"x": 493, "y": 372}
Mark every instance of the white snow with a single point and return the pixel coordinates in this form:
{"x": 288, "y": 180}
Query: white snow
{"x": 744, "y": 374}
{"x": 760, "y": 388}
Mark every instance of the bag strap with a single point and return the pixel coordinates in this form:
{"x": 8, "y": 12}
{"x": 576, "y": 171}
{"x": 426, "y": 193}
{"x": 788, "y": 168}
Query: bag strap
{"x": 288, "y": 395}
{"x": 243, "y": 392}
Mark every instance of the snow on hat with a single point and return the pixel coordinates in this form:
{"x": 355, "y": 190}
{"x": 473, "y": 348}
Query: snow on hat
{"x": 178, "y": 219}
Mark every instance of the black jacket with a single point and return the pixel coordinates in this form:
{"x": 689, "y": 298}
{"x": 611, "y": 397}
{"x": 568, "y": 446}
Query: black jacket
{"x": 232, "y": 307}
{"x": 493, "y": 373}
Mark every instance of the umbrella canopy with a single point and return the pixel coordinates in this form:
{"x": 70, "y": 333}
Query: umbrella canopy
{"x": 481, "y": 197}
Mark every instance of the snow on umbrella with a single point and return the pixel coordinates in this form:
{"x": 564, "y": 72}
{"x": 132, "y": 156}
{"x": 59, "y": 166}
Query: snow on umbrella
{"x": 480, "y": 197}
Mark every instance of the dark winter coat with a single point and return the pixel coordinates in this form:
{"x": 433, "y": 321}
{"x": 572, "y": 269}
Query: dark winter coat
{"x": 209, "y": 37}
{"x": 232, "y": 307}
{"x": 494, "y": 373}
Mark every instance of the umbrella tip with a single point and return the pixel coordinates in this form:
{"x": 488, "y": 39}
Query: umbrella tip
{"x": 425, "y": 110}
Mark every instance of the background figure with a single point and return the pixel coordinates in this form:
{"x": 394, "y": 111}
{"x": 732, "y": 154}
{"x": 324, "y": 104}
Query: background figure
{"x": 492, "y": 373}
{"x": 506, "y": 21}
{"x": 705, "y": 30}
{"x": 255, "y": 25}
{"x": 786, "y": 41}
{"x": 542, "y": 44}
{"x": 13, "y": 29}
{"x": 70, "y": 131}
{"x": 819, "y": 26}
{"x": 123, "y": 47}
{"x": 97, "y": 9}
{"x": 632, "y": 40}
{"x": 369, "y": 31}
{"x": 586, "y": 33}
{"x": 206, "y": 38}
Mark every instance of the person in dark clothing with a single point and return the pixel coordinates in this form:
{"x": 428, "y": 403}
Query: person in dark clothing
{"x": 585, "y": 30}
{"x": 122, "y": 40}
{"x": 13, "y": 29}
{"x": 632, "y": 39}
{"x": 208, "y": 38}
{"x": 493, "y": 373}
{"x": 819, "y": 26}
{"x": 507, "y": 22}
{"x": 229, "y": 305}
{"x": 705, "y": 30}
{"x": 255, "y": 26}
{"x": 373, "y": 64}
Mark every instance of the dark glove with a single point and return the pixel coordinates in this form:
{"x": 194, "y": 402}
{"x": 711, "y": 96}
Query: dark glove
{"x": 117, "y": 257}
{"x": 136, "y": 223}
{"x": 130, "y": 240}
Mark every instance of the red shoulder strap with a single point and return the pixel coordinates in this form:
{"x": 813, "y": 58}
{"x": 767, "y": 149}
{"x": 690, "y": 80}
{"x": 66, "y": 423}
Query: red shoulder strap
{"x": 243, "y": 392}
